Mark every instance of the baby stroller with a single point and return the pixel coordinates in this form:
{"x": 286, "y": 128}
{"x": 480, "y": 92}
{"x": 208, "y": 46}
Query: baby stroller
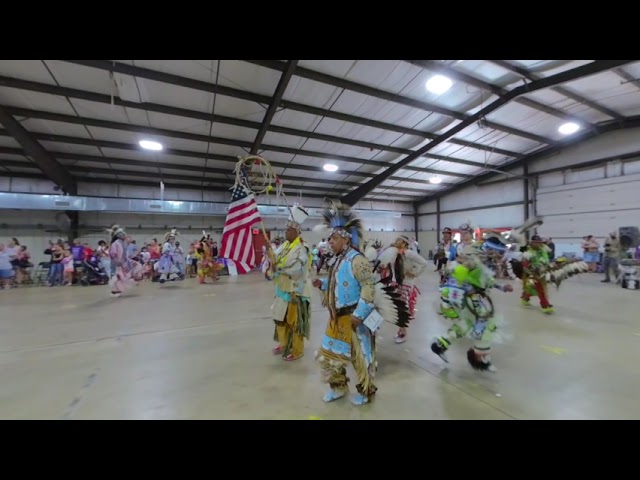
{"x": 93, "y": 273}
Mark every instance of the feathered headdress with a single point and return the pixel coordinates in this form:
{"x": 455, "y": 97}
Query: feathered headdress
{"x": 516, "y": 235}
{"x": 116, "y": 230}
{"x": 473, "y": 256}
{"x": 371, "y": 249}
{"x": 341, "y": 219}
{"x": 297, "y": 216}
{"x": 414, "y": 263}
{"x": 205, "y": 236}
{"x": 173, "y": 233}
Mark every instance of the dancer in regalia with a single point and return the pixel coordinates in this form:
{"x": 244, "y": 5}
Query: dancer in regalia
{"x": 357, "y": 306}
{"x": 536, "y": 271}
{"x": 167, "y": 266}
{"x": 207, "y": 266}
{"x": 448, "y": 284}
{"x": 469, "y": 300}
{"x": 443, "y": 253}
{"x": 126, "y": 271}
{"x": 292, "y": 305}
{"x": 398, "y": 267}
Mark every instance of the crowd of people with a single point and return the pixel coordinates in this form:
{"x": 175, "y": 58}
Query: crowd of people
{"x": 72, "y": 263}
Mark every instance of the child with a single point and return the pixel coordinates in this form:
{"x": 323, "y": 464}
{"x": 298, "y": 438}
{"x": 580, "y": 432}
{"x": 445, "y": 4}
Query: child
{"x": 67, "y": 263}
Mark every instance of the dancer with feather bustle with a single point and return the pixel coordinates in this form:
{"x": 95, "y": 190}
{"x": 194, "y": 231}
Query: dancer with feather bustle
{"x": 357, "y": 306}
{"x": 398, "y": 267}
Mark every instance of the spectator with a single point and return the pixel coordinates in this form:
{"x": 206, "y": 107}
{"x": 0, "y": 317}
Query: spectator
{"x": 591, "y": 256}
{"x": 552, "y": 248}
{"x": 611, "y": 256}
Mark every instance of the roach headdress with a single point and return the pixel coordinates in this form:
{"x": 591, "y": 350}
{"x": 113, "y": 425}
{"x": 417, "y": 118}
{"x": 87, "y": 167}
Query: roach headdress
{"x": 341, "y": 219}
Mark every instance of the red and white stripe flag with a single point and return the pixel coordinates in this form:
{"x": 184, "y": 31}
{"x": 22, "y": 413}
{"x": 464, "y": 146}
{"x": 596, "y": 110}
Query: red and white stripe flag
{"x": 237, "y": 240}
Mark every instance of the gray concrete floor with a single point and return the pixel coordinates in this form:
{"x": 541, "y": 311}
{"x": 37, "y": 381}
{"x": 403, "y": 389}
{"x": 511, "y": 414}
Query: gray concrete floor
{"x": 187, "y": 351}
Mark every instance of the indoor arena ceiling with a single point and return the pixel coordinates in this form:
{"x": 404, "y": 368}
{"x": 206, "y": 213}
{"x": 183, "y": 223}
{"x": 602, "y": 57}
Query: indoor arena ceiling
{"x": 397, "y": 130}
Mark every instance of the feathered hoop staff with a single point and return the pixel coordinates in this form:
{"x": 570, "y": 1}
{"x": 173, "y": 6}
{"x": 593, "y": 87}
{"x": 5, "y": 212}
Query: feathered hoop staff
{"x": 256, "y": 174}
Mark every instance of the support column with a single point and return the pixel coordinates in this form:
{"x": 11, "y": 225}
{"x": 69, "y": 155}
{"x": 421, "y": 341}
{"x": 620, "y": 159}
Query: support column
{"x": 526, "y": 186}
{"x": 74, "y": 230}
{"x": 438, "y": 228}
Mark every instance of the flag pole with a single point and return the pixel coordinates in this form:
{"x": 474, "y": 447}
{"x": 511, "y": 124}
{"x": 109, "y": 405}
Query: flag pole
{"x": 243, "y": 178}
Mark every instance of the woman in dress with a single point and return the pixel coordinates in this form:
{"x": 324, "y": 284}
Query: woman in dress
{"x": 126, "y": 271}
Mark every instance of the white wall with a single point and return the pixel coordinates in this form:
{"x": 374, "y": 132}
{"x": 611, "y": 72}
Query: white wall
{"x": 25, "y": 226}
{"x": 463, "y": 207}
{"x": 574, "y": 200}
{"x": 608, "y": 145}
{"x": 594, "y": 206}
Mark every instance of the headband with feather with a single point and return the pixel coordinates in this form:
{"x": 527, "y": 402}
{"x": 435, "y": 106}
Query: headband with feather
{"x": 173, "y": 233}
{"x": 116, "y": 230}
{"x": 341, "y": 219}
{"x": 297, "y": 216}
{"x": 517, "y": 235}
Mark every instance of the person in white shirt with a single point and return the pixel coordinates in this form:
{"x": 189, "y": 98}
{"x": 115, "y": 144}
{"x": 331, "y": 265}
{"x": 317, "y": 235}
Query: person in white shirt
{"x": 443, "y": 252}
{"x": 323, "y": 250}
{"x": 7, "y": 254}
{"x": 414, "y": 245}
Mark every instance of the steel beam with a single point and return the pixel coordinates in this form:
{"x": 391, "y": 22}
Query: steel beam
{"x": 137, "y": 183}
{"x": 58, "y": 117}
{"x": 190, "y": 154}
{"x": 627, "y": 77}
{"x": 567, "y": 76}
{"x": 561, "y": 90}
{"x": 45, "y": 162}
{"x": 94, "y": 122}
{"x": 285, "y": 78}
{"x": 226, "y": 158}
{"x": 438, "y": 219}
{"x": 632, "y": 122}
{"x": 192, "y": 168}
{"x": 391, "y": 97}
{"x": 495, "y": 89}
{"x": 525, "y": 191}
{"x": 185, "y": 82}
{"x": 223, "y": 183}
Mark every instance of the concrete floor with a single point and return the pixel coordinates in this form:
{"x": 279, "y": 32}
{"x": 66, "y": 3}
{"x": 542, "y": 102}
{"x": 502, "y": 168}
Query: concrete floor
{"x": 187, "y": 351}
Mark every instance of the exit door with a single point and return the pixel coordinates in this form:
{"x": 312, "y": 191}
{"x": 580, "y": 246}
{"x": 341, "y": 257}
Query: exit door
{"x": 259, "y": 242}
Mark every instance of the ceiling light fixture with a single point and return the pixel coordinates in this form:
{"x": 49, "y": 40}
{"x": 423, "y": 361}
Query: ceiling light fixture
{"x": 435, "y": 180}
{"x": 150, "y": 145}
{"x": 438, "y": 84}
{"x": 329, "y": 167}
{"x": 568, "y": 128}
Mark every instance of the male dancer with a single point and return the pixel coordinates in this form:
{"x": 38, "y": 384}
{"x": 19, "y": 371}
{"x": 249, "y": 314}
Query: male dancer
{"x": 291, "y": 308}
{"x": 471, "y": 307}
{"x": 356, "y": 305}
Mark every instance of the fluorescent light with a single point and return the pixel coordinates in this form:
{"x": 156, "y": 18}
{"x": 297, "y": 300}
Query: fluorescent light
{"x": 150, "y": 145}
{"x": 438, "y": 84}
{"x": 568, "y": 128}
{"x": 435, "y": 180}
{"x": 329, "y": 167}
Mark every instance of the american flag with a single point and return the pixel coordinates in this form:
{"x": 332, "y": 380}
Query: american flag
{"x": 237, "y": 241}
